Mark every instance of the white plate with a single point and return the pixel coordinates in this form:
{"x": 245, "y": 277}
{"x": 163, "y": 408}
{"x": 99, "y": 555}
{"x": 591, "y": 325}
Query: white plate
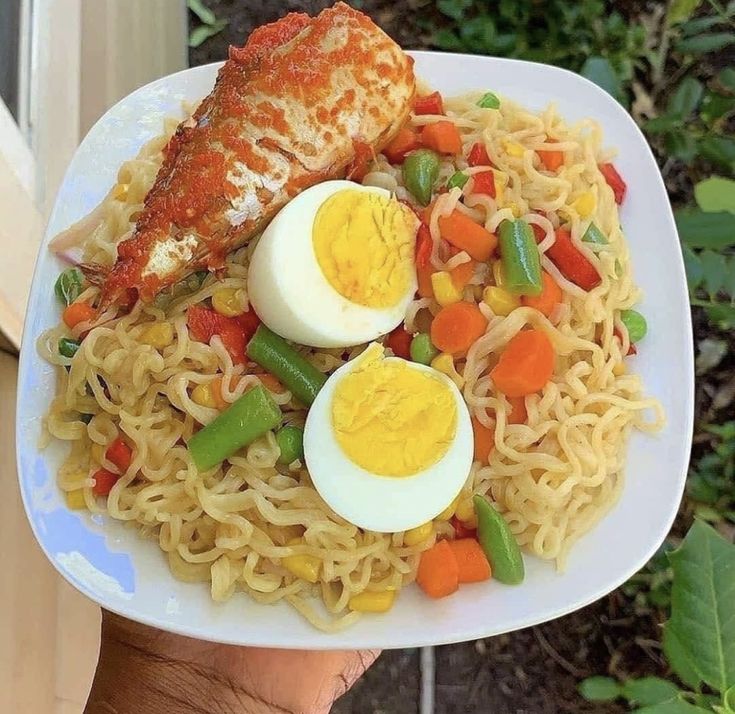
{"x": 121, "y": 572}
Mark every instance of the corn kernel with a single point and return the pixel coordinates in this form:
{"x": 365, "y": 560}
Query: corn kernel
{"x": 368, "y": 601}
{"x": 204, "y": 395}
{"x": 417, "y": 535}
{"x": 302, "y": 566}
{"x": 448, "y": 512}
{"x": 465, "y": 510}
{"x": 619, "y": 369}
{"x": 514, "y": 148}
{"x": 229, "y": 302}
{"x": 501, "y": 181}
{"x": 585, "y": 204}
{"x": 445, "y": 291}
{"x": 75, "y": 499}
{"x": 500, "y": 301}
{"x": 159, "y": 335}
{"x": 444, "y": 363}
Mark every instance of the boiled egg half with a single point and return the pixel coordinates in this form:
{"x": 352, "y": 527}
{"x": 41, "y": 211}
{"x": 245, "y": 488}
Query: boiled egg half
{"x": 336, "y": 266}
{"x": 388, "y": 443}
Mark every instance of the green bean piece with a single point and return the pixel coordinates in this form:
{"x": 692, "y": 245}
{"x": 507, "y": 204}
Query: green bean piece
{"x": 420, "y": 171}
{"x": 489, "y": 101}
{"x": 635, "y": 323}
{"x": 290, "y": 440}
{"x": 520, "y": 258}
{"x": 293, "y": 370}
{"x": 422, "y": 350}
{"x": 249, "y": 417}
{"x": 594, "y": 235}
{"x": 67, "y": 347}
{"x": 457, "y": 180}
{"x": 498, "y": 543}
{"x": 68, "y": 285}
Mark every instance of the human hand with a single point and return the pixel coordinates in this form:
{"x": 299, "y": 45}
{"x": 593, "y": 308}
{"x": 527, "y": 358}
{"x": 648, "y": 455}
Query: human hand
{"x": 148, "y": 671}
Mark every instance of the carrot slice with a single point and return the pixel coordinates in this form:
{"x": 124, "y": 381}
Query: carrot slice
{"x": 463, "y": 233}
{"x": 462, "y": 274}
{"x": 552, "y": 160}
{"x": 484, "y": 441}
{"x": 438, "y": 573}
{"x": 471, "y": 561}
{"x": 457, "y": 326}
{"x": 77, "y": 312}
{"x": 526, "y": 365}
{"x": 549, "y": 297}
{"x": 442, "y": 136}
{"x": 404, "y": 141}
{"x": 518, "y": 413}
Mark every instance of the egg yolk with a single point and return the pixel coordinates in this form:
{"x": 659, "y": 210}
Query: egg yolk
{"x": 364, "y": 244}
{"x": 391, "y": 418}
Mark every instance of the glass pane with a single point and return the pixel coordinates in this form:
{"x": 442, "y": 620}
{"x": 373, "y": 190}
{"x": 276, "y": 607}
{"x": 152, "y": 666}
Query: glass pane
{"x": 9, "y": 38}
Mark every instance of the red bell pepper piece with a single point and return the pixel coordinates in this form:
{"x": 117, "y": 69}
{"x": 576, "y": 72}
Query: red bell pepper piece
{"x": 120, "y": 454}
{"x": 400, "y": 342}
{"x": 104, "y": 480}
{"x": 430, "y": 104}
{"x": 478, "y": 155}
{"x": 424, "y": 246}
{"x": 572, "y": 264}
{"x": 484, "y": 182}
{"x": 614, "y": 181}
{"x": 461, "y": 530}
{"x": 235, "y": 332}
{"x": 631, "y": 347}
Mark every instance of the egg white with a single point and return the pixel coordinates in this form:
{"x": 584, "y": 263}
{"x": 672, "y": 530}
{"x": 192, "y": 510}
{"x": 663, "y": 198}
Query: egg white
{"x": 385, "y": 504}
{"x": 293, "y": 297}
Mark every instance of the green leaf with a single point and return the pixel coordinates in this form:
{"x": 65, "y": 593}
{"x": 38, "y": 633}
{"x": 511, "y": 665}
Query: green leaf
{"x": 716, "y": 194}
{"x": 703, "y": 604}
{"x": 726, "y": 78}
{"x": 681, "y": 144}
{"x": 699, "y": 24}
{"x": 199, "y": 34}
{"x": 678, "y": 658}
{"x": 709, "y": 42}
{"x": 662, "y": 124}
{"x": 454, "y": 9}
{"x": 700, "y": 229}
{"x": 649, "y": 690}
{"x": 715, "y": 272}
{"x": 728, "y": 700}
{"x": 202, "y": 11}
{"x": 686, "y": 98}
{"x": 599, "y": 689}
{"x": 716, "y": 106}
{"x": 600, "y": 71}
{"x": 672, "y": 706}
{"x": 681, "y": 10}
{"x": 722, "y": 315}
{"x": 693, "y": 267}
{"x": 719, "y": 150}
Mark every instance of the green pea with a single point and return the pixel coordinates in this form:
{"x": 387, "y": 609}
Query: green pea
{"x": 67, "y": 347}
{"x": 635, "y": 323}
{"x": 290, "y": 440}
{"x": 594, "y": 235}
{"x": 422, "y": 350}
{"x": 68, "y": 285}
{"x": 489, "y": 101}
{"x": 420, "y": 171}
{"x": 498, "y": 543}
{"x": 457, "y": 180}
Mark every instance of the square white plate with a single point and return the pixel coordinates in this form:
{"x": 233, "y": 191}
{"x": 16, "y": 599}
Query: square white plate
{"x": 124, "y": 573}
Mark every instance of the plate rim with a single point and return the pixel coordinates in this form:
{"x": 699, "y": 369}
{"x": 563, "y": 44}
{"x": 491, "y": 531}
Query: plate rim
{"x": 321, "y": 640}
